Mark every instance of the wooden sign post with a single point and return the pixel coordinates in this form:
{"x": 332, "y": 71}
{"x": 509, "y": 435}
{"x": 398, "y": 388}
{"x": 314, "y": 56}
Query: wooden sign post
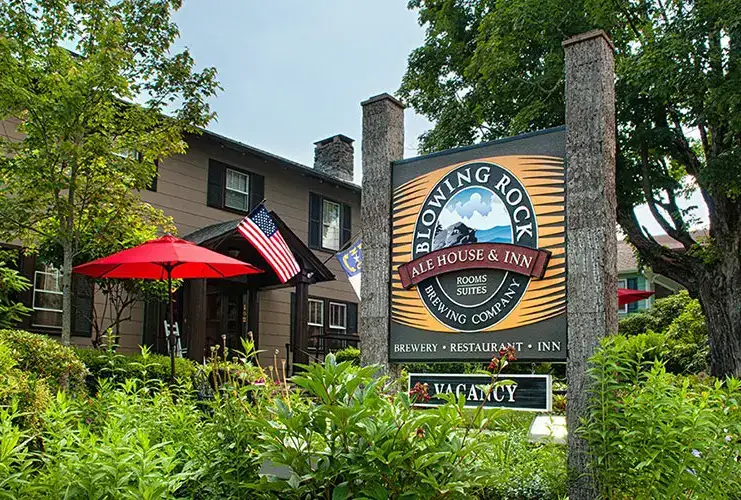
{"x": 591, "y": 228}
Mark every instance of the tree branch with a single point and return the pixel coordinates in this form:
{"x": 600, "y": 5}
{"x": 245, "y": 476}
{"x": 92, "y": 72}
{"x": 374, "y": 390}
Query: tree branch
{"x": 677, "y": 265}
{"x": 678, "y": 232}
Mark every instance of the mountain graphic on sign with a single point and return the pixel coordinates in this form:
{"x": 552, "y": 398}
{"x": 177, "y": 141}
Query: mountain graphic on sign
{"x": 497, "y": 234}
{"x": 474, "y": 215}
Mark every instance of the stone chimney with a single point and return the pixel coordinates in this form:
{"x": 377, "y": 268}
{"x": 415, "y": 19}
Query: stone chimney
{"x": 334, "y": 156}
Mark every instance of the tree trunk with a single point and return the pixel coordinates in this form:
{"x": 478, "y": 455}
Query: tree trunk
{"x": 67, "y": 293}
{"x": 720, "y": 296}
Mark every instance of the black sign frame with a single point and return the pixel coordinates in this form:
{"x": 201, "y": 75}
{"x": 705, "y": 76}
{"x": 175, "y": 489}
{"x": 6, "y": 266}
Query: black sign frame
{"x": 542, "y": 383}
{"x": 542, "y": 336}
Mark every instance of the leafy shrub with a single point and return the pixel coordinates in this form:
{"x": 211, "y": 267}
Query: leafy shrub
{"x": 525, "y": 470}
{"x": 676, "y": 327}
{"x": 126, "y": 443}
{"x": 659, "y": 317}
{"x": 653, "y": 434}
{"x": 356, "y": 439}
{"x": 351, "y": 354}
{"x": 116, "y": 367}
{"x": 45, "y": 358}
{"x": 27, "y": 394}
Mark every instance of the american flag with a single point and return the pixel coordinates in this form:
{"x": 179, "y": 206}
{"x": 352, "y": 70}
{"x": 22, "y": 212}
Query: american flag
{"x": 260, "y": 230}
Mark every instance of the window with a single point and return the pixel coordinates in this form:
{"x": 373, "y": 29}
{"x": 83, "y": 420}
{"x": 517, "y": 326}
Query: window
{"x": 316, "y": 322}
{"x": 233, "y": 189}
{"x": 129, "y": 153}
{"x": 623, "y": 284}
{"x": 47, "y": 297}
{"x": 329, "y": 223}
{"x": 328, "y": 323}
{"x": 237, "y": 190}
{"x": 337, "y": 316}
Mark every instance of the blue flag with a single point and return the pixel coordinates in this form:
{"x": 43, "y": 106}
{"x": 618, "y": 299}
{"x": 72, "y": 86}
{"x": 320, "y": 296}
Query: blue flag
{"x": 351, "y": 261}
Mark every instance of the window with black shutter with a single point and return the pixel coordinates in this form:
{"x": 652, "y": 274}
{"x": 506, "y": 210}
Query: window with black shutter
{"x": 153, "y": 183}
{"x": 233, "y": 189}
{"x": 330, "y": 223}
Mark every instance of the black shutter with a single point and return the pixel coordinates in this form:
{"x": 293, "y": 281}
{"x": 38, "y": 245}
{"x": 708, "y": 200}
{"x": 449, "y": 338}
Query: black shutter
{"x": 632, "y": 285}
{"x": 257, "y": 190}
{"x": 153, "y": 183}
{"x": 352, "y": 318}
{"x": 216, "y": 181}
{"x": 346, "y": 223}
{"x": 315, "y": 221}
{"x": 82, "y": 306}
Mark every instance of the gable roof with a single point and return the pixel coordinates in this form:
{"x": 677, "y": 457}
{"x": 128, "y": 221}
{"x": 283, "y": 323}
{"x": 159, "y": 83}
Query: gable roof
{"x": 290, "y": 164}
{"x": 216, "y": 234}
{"x": 626, "y": 258}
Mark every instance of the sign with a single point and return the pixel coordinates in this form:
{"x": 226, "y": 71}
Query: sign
{"x": 478, "y": 252}
{"x": 528, "y": 393}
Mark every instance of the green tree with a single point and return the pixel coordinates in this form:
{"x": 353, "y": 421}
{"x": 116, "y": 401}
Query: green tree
{"x": 134, "y": 223}
{"x": 11, "y": 283}
{"x": 489, "y": 69}
{"x": 70, "y": 72}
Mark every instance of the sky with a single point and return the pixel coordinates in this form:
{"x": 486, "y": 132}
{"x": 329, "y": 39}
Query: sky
{"x": 294, "y": 72}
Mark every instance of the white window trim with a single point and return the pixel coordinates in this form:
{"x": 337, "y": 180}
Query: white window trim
{"x": 56, "y": 274}
{"x": 227, "y": 188}
{"x": 623, "y": 283}
{"x": 321, "y": 303}
{"x": 129, "y": 153}
{"x": 344, "y": 314}
{"x": 325, "y": 202}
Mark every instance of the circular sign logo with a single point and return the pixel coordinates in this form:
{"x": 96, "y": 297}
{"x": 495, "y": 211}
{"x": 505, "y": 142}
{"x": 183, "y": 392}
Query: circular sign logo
{"x": 475, "y": 203}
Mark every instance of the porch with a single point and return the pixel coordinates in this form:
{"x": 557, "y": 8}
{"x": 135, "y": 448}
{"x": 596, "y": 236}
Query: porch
{"x": 206, "y": 309}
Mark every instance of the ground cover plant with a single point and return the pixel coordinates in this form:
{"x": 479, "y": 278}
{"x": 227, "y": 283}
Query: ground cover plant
{"x": 340, "y": 433}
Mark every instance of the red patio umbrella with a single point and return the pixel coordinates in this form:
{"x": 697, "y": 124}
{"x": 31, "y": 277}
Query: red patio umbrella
{"x": 628, "y": 296}
{"x": 166, "y": 258}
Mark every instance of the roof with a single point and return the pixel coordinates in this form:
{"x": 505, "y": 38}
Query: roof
{"x": 290, "y": 164}
{"x": 626, "y": 259}
{"x": 219, "y": 234}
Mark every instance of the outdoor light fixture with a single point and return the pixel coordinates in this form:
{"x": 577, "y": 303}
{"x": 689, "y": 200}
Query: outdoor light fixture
{"x": 551, "y": 428}
{"x": 233, "y": 252}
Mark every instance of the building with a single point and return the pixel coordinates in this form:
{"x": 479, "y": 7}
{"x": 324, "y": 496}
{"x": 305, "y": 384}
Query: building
{"x": 207, "y": 191}
{"x": 632, "y": 276}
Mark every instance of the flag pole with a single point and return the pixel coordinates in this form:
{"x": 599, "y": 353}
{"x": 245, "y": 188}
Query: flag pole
{"x": 343, "y": 247}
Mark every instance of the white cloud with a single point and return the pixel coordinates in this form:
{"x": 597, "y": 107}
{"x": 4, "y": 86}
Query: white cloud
{"x": 494, "y": 214}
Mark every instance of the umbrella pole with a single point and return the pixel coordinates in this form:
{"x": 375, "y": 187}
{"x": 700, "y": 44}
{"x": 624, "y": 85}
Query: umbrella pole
{"x": 172, "y": 326}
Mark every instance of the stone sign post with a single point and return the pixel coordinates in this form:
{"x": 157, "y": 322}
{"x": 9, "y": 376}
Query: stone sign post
{"x": 591, "y": 226}
{"x": 383, "y": 143}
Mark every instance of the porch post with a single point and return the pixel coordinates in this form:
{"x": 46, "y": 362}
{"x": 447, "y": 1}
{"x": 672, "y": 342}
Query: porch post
{"x": 300, "y": 340}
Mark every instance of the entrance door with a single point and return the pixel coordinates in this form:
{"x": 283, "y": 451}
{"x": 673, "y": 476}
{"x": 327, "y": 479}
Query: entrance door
{"x": 226, "y": 314}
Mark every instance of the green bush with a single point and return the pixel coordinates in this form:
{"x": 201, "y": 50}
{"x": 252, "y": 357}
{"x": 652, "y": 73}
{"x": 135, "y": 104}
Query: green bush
{"x": 29, "y": 395}
{"x": 351, "y": 354}
{"x": 116, "y": 367}
{"x": 525, "y": 470}
{"x": 659, "y": 317}
{"x": 45, "y": 358}
{"x": 676, "y": 327}
{"x": 653, "y": 434}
